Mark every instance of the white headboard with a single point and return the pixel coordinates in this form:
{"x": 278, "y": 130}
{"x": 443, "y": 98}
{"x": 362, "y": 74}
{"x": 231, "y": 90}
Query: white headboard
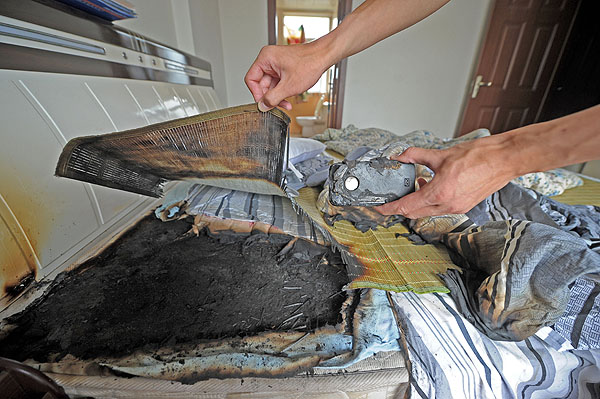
{"x": 58, "y": 80}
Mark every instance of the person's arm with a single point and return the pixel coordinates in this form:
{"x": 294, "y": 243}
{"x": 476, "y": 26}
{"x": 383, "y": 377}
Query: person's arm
{"x": 469, "y": 172}
{"x": 283, "y": 71}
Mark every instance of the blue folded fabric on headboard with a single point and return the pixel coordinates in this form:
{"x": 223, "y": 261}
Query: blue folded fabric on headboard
{"x": 110, "y": 10}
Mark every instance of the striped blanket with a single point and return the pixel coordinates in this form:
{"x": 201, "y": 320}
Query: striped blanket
{"x": 521, "y": 255}
{"x": 522, "y": 319}
{"x": 551, "y": 352}
{"x": 198, "y": 199}
{"x": 450, "y": 358}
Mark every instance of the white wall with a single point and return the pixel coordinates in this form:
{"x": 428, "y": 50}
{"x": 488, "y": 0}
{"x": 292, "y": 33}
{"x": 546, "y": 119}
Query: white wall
{"x": 244, "y": 32}
{"x": 182, "y": 19}
{"x": 208, "y": 44}
{"x": 155, "y": 20}
{"x": 190, "y": 25}
{"x": 418, "y": 78}
{"x": 227, "y": 33}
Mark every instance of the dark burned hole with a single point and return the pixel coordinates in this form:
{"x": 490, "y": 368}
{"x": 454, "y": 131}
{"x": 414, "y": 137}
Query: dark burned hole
{"x": 159, "y": 286}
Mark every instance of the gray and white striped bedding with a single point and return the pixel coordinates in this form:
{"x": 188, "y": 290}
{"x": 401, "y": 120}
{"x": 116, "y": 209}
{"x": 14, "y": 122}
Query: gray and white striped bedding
{"x": 522, "y": 319}
{"x": 451, "y": 359}
{"x": 580, "y": 324}
{"x": 525, "y": 262}
{"x": 240, "y": 205}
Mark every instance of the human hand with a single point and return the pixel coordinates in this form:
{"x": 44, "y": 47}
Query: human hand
{"x": 464, "y": 175}
{"x": 283, "y": 71}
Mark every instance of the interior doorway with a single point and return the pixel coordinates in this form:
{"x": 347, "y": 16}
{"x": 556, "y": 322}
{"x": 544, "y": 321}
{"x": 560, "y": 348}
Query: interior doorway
{"x": 533, "y": 50}
{"x": 576, "y": 85}
{"x": 292, "y": 22}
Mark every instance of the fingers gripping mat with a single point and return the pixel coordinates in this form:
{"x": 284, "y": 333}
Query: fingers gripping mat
{"x": 234, "y": 148}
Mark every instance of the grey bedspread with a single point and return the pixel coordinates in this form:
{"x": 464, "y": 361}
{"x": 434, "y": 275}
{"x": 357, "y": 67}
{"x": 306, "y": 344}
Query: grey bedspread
{"x": 528, "y": 262}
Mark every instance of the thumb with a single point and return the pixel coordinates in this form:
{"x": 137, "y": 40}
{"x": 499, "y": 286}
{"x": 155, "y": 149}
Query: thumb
{"x": 422, "y": 156}
{"x": 412, "y": 206}
{"x": 273, "y": 97}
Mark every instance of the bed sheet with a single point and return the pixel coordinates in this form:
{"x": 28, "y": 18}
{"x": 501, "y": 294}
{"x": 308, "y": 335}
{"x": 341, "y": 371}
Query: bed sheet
{"x": 449, "y": 358}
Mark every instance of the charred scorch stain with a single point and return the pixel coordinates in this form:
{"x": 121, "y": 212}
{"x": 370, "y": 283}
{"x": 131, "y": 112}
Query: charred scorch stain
{"x": 14, "y": 290}
{"x": 23, "y": 231}
{"x": 160, "y": 286}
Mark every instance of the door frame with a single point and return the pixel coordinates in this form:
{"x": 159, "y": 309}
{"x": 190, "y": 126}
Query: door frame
{"x": 338, "y": 81}
{"x": 474, "y": 67}
{"x": 477, "y": 64}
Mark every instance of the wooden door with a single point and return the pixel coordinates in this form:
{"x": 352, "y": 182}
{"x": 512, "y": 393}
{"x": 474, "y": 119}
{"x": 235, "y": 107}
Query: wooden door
{"x": 576, "y": 85}
{"x": 520, "y": 54}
